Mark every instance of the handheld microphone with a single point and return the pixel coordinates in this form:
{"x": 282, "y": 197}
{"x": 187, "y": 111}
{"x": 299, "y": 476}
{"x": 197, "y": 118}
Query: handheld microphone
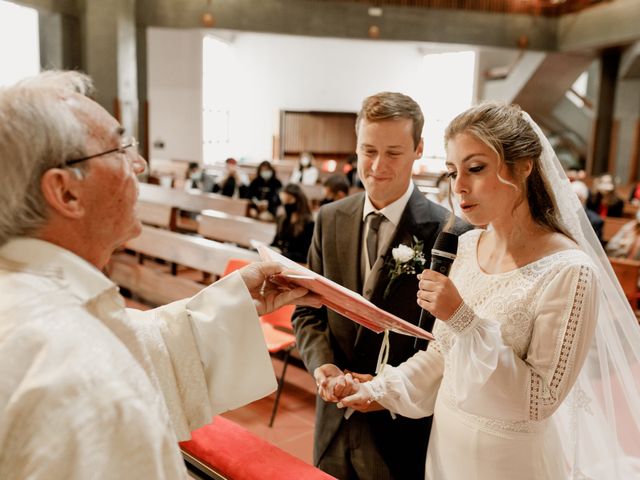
{"x": 443, "y": 254}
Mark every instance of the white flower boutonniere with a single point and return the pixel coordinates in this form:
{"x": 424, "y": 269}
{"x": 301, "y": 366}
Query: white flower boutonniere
{"x": 406, "y": 260}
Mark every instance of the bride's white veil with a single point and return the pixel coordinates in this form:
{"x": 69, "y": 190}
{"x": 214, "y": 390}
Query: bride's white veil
{"x": 599, "y": 422}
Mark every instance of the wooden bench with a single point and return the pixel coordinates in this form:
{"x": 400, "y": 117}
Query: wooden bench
{"x": 239, "y": 230}
{"x": 159, "y": 287}
{"x": 173, "y": 168}
{"x": 611, "y": 226}
{"x": 192, "y": 200}
{"x": 627, "y": 272}
{"x": 157, "y": 214}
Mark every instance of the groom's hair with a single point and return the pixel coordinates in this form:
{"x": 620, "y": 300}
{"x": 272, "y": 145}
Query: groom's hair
{"x": 392, "y": 105}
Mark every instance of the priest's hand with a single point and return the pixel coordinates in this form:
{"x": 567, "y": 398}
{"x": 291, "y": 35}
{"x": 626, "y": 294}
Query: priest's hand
{"x": 269, "y": 296}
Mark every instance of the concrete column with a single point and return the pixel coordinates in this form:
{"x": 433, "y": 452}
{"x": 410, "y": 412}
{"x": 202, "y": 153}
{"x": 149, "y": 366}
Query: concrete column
{"x": 609, "y": 63}
{"x": 626, "y": 117}
{"x": 60, "y": 42}
{"x": 110, "y": 57}
{"x": 143, "y": 97}
{"x": 50, "y": 30}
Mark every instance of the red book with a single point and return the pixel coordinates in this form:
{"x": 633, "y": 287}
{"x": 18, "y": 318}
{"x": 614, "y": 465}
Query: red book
{"x": 340, "y": 299}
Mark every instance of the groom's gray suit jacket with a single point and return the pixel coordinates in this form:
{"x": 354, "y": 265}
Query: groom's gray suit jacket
{"x": 324, "y": 336}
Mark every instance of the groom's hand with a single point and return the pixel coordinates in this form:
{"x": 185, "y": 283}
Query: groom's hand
{"x": 326, "y": 376}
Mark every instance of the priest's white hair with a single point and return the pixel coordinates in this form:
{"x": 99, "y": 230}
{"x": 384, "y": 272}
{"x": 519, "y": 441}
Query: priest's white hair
{"x": 38, "y": 131}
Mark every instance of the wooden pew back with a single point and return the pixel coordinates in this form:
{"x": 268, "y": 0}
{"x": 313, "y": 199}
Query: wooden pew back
{"x": 192, "y": 200}
{"x": 627, "y": 272}
{"x": 156, "y": 214}
{"x": 194, "y": 252}
{"x": 611, "y": 226}
{"x": 159, "y": 287}
{"x": 239, "y": 230}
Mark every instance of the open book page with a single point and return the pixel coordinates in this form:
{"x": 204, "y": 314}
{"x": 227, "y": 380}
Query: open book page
{"x": 340, "y": 299}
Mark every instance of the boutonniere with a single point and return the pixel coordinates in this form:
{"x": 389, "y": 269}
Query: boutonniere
{"x": 405, "y": 260}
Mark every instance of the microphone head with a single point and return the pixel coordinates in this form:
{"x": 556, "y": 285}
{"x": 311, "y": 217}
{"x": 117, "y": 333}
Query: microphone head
{"x": 446, "y": 242}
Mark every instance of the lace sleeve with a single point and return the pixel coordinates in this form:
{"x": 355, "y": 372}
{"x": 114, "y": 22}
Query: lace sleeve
{"x": 554, "y": 371}
{"x": 490, "y": 380}
{"x": 411, "y": 388}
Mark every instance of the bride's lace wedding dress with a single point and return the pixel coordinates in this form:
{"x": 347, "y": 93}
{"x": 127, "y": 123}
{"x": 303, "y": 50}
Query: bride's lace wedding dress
{"x": 500, "y": 367}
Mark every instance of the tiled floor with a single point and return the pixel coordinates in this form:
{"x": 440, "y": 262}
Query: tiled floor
{"x": 292, "y": 430}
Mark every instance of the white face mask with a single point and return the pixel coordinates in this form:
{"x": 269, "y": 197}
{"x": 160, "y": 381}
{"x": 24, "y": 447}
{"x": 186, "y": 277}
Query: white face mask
{"x": 266, "y": 174}
{"x": 305, "y": 161}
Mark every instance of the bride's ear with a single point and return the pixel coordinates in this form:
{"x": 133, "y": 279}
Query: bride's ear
{"x": 524, "y": 169}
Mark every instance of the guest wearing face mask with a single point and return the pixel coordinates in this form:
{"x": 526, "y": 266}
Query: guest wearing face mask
{"x": 234, "y": 183}
{"x": 295, "y": 225}
{"x": 264, "y": 193}
{"x": 336, "y": 187}
{"x": 305, "y": 173}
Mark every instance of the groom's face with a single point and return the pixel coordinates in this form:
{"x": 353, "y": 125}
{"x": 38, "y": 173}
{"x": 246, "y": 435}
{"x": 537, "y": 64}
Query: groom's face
{"x": 386, "y": 153}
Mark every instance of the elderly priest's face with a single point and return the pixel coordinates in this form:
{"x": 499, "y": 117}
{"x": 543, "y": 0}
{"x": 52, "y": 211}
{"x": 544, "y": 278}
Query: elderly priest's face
{"x": 108, "y": 186}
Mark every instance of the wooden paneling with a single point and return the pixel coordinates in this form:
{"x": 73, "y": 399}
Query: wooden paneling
{"x": 317, "y": 132}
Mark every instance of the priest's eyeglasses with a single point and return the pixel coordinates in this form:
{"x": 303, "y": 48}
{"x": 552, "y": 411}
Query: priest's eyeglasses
{"x": 129, "y": 142}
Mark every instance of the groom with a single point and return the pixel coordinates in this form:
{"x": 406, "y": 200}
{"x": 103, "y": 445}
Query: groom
{"x": 352, "y": 246}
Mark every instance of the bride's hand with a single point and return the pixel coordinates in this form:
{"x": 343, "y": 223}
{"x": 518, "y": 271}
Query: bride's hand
{"x": 438, "y": 295}
{"x": 360, "y": 400}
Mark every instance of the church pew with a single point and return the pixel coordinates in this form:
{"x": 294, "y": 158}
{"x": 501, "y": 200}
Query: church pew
{"x": 156, "y": 214}
{"x": 611, "y": 226}
{"x": 152, "y": 285}
{"x": 239, "y": 230}
{"x": 192, "y": 200}
{"x": 159, "y": 287}
{"x": 627, "y": 272}
{"x": 194, "y": 252}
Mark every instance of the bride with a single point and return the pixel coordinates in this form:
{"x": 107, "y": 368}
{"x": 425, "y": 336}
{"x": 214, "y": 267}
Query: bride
{"x": 535, "y": 371}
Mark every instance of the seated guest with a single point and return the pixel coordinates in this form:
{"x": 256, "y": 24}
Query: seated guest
{"x": 264, "y": 192}
{"x": 305, "y": 173}
{"x": 626, "y": 243}
{"x": 605, "y": 201}
{"x": 336, "y": 187}
{"x": 193, "y": 176}
{"x": 582, "y": 191}
{"x": 295, "y": 225}
{"x": 89, "y": 389}
{"x": 233, "y": 183}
